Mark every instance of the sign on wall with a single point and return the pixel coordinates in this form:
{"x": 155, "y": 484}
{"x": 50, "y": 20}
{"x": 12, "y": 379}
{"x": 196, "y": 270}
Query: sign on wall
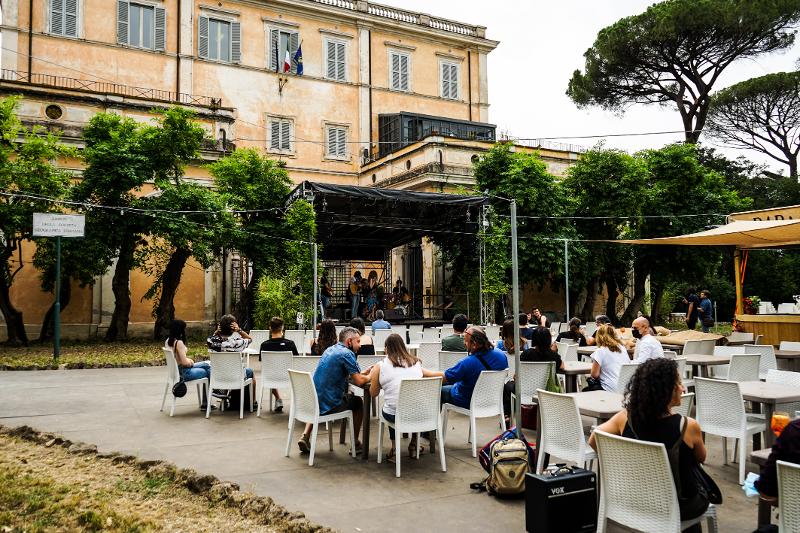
{"x": 57, "y": 225}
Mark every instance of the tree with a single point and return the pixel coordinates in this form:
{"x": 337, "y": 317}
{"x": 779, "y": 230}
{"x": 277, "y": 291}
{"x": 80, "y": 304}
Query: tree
{"x": 116, "y": 168}
{"x": 257, "y": 187}
{"x": 676, "y": 51}
{"x": 25, "y": 168}
{"x": 761, "y": 114}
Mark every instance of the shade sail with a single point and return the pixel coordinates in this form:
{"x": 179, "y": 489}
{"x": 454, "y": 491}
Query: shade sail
{"x": 366, "y": 222}
{"x": 743, "y": 234}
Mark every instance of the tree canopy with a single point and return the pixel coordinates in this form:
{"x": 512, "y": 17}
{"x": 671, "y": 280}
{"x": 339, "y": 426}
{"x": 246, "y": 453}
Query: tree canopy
{"x": 675, "y": 52}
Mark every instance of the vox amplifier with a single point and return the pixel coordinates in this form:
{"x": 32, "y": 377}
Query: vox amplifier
{"x": 563, "y": 500}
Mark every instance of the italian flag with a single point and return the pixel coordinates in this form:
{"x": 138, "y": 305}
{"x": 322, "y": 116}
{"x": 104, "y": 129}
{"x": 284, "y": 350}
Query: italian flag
{"x": 287, "y": 59}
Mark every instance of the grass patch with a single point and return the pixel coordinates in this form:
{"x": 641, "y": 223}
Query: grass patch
{"x": 721, "y": 328}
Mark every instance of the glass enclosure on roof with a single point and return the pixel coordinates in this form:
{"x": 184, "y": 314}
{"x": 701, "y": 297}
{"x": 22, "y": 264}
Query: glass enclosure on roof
{"x": 401, "y": 129}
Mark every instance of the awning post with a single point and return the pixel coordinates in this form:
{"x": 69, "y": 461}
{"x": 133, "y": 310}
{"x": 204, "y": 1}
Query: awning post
{"x": 737, "y": 273}
{"x": 515, "y": 315}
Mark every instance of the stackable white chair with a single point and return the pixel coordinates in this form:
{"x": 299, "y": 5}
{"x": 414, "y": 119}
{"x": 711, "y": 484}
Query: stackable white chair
{"x": 274, "y": 374}
{"x": 721, "y": 371}
{"x": 740, "y": 336}
{"x": 298, "y": 336}
{"x": 787, "y": 308}
{"x": 759, "y": 339}
{"x": 637, "y": 489}
{"x": 305, "y": 408}
{"x": 417, "y": 411}
{"x": 446, "y": 331}
{"x": 743, "y": 367}
{"x": 768, "y": 360}
{"x": 379, "y": 338}
{"x": 568, "y": 352}
{"x": 789, "y": 496}
{"x": 366, "y": 361}
{"x": 173, "y": 376}
{"x": 589, "y": 329}
{"x": 687, "y": 401}
{"x": 339, "y": 330}
{"x": 430, "y": 335}
{"x": 626, "y": 372}
{"x": 720, "y": 411}
{"x": 555, "y": 328}
{"x": 785, "y": 377}
{"x": 532, "y": 377}
{"x": 450, "y": 359}
{"x": 686, "y": 378}
{"x": 259, "y": 336}
{"x": 670, "y": 354}
{"x": 704, "y": 347}
{"x": 561, "y": 430}
{"x": 492, "y": 332}
{"x": 428, "y": 353}
{"x": 415, "y": 333}
{"x": 486, "y": 402}
{"x": 789, "y": 345}
{"x": 305, "y": 363}
{"x": 228, "y": 373}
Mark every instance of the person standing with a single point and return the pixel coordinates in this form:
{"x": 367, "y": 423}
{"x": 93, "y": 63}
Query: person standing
{"x": 692, "y": 307}
{"x": 707, "y": 310}
{"x": 325, "y": 291}
{"x": 355, "y": 293}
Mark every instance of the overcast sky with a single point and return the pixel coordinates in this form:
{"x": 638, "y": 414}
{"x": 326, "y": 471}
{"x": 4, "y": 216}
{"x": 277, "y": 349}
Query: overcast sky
{"x": 542, "y": 43}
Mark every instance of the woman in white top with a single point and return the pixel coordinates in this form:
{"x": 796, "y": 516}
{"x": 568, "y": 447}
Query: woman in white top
{"x": 387, "y": 375}
{"x": 609, "y": 357}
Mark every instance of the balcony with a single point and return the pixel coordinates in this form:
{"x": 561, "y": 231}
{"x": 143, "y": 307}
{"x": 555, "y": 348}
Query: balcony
{"x": 103, "y": 87}
{"x": 398, "y": 130}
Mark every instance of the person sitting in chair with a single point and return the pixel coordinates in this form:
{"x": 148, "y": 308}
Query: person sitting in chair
{"x": 186, "y": 366}
{"x": 455, "y": 342}
{"x": 379, "y": 322}
{"x": 277, "y": 343}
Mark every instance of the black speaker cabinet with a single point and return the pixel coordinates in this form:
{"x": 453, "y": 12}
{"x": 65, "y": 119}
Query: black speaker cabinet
{"x": 564, "y": 502}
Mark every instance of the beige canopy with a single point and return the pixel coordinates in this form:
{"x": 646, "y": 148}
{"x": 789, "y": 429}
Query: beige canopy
{"x": 744, "y": 234}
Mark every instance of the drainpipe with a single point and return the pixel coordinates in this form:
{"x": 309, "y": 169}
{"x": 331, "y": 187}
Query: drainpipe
{"x": 30, "y": 40}
{"x": 178, "y": 56}
{"x": 469, "y": 83}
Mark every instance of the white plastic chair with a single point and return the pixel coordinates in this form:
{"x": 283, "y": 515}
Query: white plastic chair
{"x": 789, "y": 345}
{"x": 366, "y": 361}
{"x": 430, "y": 335}
{"x": 487, "y": 401}
{"x": 590, "y": 329}
{"x": 415, "y": 333}
{"x": 259, "y": 336}
{"x": 687, "y": 400}
{"x": 446, "y": 331}
{"x": 743, "y": 367}
{"x": 305, "y": 363}
{"x": 450, "y": 359}
{"x": 305, "y": 408}
{"x": 785, "y": 377}
{"x": 379, "y": 338}
{"x": 626, "y": 372}
{"x": 720, "y": 411}
{"x": 561, "y": 430}
{"x": 568, "y": 352}
{"x": 173, "y": 376}
{"x": 532, "y": 376}
{"x": 274, "y": 375}
{"x": 492, "y": 332}
{"x": 740, "y": 336}
{"x": 703, "y": 347}
{"x": 789, "y": 496}
{"x": 637, "y": 489}
{"x": 428, "y": 353}
{"x": 417, "y": 411}
{"x": 228, "y": 374}
{"x": 786, "y": 308}
{"x": 768, "y": 359}
{"x": 684, "y": 372}
{"x": 299, "y": 338}
{"x": 555, "y": 328}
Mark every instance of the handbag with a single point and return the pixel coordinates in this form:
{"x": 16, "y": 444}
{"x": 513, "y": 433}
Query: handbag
{"x": 706, "y": 485}
{"x": 179, "y": 389}
{"x": 553, "y": 384}
{"x": 530, "y": 416}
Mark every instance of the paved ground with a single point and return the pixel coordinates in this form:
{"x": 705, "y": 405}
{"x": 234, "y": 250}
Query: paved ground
{"x": 118, "y": 410}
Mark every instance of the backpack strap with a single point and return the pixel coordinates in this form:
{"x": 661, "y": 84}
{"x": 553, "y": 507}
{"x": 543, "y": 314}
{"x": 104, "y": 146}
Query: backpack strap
{"x": 483, "y": 361}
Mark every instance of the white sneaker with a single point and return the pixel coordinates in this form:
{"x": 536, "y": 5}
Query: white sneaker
{"x": 278, "y": 405}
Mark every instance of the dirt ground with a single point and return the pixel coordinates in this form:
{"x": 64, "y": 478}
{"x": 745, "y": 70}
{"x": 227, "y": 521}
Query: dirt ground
{"x": 50, "y": 489}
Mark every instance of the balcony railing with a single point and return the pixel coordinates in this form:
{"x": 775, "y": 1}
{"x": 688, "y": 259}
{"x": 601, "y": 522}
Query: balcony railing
{"x": 427, "y": 168}
{"x": 543, "y": 144}
{"x": 104, "y": 87}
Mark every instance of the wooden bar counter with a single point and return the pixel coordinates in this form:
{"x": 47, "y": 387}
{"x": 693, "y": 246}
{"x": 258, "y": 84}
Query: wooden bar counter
{"x": 774, "y": 327}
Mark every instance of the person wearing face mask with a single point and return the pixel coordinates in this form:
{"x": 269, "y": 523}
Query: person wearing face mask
{"x": 647, "y": 346}
{"x": 338, "y": 363}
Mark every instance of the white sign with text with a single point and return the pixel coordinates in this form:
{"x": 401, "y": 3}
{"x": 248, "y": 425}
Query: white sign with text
{"x": 57, "y": 225}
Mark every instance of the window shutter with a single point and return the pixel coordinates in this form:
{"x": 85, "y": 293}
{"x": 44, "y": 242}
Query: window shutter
{"x": 331, "y": 141}
{"x": 294, "y": 42}
{"x": 202, "y": 37}
{"x": 340, "y": 63}
{"x": 445, "y": 80}
{"x": 396, "y": 71}
{"x": 57, "y": 16}
{"x": 330, "y": 54}
{"x": 342, "y": 142}
{"x": 454, "y": 82}
{"x": 122, "y": 21}
{"x": 403, "y": 72}
{"x": 161, "y": 28}
{"x": 236, "y": 42}
{"x": 275, "y": 135}
{"x": 274, "y": 39}
{"x": 71, "y": 18}
{"x": 286, "y": 128}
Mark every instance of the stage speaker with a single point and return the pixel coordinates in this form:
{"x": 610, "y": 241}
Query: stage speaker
{"x": 564, "y": 501}
{"x": 393, "y": 314}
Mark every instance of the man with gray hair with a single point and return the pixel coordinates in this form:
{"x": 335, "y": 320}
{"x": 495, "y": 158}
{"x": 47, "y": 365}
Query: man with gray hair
{"x": 338, "y": 363}
{"x": 599, "y": 320}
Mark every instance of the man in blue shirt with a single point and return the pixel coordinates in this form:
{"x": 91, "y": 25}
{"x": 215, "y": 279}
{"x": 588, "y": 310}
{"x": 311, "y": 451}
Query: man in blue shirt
{"x": 338, "y": 363}
{"x": 461, "y": 379}
{"x": 379, "y": 322}
{"x": 706, "y": 311}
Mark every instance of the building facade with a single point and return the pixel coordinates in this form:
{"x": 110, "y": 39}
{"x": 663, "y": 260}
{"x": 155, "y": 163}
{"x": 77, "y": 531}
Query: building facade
{"x": 314, "y": 83}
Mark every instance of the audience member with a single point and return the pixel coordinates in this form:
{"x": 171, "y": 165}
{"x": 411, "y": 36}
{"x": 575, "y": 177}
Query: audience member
{"x": 506, "y": 343}
{"x": 539, "y": 319}
{"x": 229, "y": 337}
{"x": 379, "y": 322}
{"x": 607, "y": 359}
{"x": 337, "y": 364}
{"x": 540, "y": 351}
{"x": 367, "y": 346}
{"x": 655, "y": 389}
{"x": 647, "y": 346}
{"x": 786, "y": 448}
{"x": 524, "y": 330}
{"x": 573, "y": 334}
{"x": 455, "y": 342}
{"x": 188, "y": 369}
{"x": 277, "y": 343}
{"x": 326, "y": 337}
{"x": 599, "y": 320}
{"x": 398, "y": 365}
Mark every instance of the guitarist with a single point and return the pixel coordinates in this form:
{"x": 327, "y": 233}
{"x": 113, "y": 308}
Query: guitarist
{"x": 354, "y": 290}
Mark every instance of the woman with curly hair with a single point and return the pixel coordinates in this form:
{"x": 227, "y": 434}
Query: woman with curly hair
{"x": 325, "y": 339}
{"x": 647, "y": 415}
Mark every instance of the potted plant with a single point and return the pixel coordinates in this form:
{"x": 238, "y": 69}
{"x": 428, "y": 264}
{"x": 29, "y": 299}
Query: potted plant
{"x": 751, "y": 304}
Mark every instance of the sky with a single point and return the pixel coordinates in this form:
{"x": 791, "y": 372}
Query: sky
{"x": 541, "y": 45}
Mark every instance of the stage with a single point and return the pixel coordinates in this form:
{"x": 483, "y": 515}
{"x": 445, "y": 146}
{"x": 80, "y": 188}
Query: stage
{"x": 774, "y": 327}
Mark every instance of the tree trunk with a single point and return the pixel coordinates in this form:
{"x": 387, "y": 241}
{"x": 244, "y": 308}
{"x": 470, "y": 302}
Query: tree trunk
{"x": 170, "y": 280}
{"x": 587, "y": 313}
{"x": 120, "y": 286}
{"x": 15, "y": 326}
{"x": 639, "y": 277}
{"x": 48, "y": 328}
{"x": 611, "y": 301}
{"x": 793, "y": 166}
{"x": 657, "y": 293}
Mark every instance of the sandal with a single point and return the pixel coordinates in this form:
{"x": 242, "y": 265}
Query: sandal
{"x": 412, "y": 449}
{"x": 390, "y": 457}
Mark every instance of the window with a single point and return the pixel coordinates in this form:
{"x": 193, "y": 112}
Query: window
{"x": 280, "y": 135}
{"x": 335, "y": 60}
{"x": 64, "y": 17}
{"x": 280, "y": 40}
{"x": 141, "y": 25}
{"x": 449, "y": 76}
{"x": 219, "y": 39}
{"x": 336, "y": 142}
{"x": 399, "y": 64}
